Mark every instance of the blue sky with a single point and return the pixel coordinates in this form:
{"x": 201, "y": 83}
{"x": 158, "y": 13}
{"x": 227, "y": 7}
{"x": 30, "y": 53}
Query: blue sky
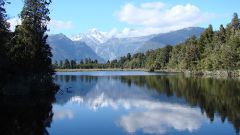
{"x": 133, "y": 17}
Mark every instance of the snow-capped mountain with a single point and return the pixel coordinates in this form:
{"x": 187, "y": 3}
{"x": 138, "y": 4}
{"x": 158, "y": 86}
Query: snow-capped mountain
{"x": 99, "y": 45}
{"x": 91, "y": 37}
{"x": 64, "y": 48}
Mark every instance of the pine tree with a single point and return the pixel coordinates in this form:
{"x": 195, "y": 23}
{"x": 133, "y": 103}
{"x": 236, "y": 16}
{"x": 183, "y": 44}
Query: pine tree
{"x": 56, "y": 64}
{"x": 205, "y": 40}
{"x": 67, "y": 64}
{"x": 31, "y": 52}
{"x": 81, "y": 62}
{"x": 129, "y": 56}
{"x": 61, "y": 64}
{"x": 192, "y": 53}
{"x": 4, "y": 39}
{"x": 73, "y": 64}
{"x": 222, "y": 34}
{"x": 235, "y": 24}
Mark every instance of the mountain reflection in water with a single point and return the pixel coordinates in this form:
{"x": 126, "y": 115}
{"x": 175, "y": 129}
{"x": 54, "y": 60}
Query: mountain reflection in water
{"x": 153, "y": 104}
{"x": 120, "y": 104}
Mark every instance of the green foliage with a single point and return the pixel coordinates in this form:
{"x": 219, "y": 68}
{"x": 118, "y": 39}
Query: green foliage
{"x": 67, "y": 64}
{"x": 73, "y": 64}
{"x": 25, "y": 56}
{"x": 214, "y": 97}
{"x": 213, "y": 50}
{"x": 30, "y": 52}
{"x": 4, "y": 39}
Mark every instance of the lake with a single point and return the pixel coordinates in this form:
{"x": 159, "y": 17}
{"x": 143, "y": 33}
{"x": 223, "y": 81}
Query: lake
{"x": 121, "y": 102}
{"x": 129, "y": 103}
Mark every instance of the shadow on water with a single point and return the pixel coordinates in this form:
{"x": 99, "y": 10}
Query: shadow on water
{"x": 26, "y": 106}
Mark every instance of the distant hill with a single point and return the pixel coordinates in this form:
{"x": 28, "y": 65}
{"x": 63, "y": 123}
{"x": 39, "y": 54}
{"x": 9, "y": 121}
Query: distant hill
{"x": 117, "y": 47}
{"x": 171, "y": 38}
{"x": 64, "y": 48}
{"x": 96, "y": 45}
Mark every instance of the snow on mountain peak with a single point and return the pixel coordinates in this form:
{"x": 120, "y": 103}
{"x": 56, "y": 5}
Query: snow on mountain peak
{"x": 92, "y": 35}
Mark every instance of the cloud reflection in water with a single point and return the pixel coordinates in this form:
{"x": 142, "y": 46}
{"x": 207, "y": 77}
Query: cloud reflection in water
{"x": 146, "y": 111}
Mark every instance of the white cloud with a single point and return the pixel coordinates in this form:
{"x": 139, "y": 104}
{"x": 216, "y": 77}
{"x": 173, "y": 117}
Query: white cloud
{"x": 155, "y": 17}
{"x": 143, "y": 111}
{"x": 162, "y": 118}
{"x": 14, "y": 22}
{"x": 53, "y": 24}
{"x": 153, "y": 5}
{"x": 63, "y": 114}
{"x": 128, "y": 32}
{"x": 60, "y": 25}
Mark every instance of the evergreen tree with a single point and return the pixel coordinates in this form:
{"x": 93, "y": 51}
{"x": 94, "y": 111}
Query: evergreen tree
{"x": 56, "y": 64}
{"x": 4, "y": 39}
{"x": 31, "y": 52}
{"x": 67, "y": 64}
{"x": 61, "y": 64}
{"x": 192, "y": 54}
{"x": 129, "y": 56}
{"x": 81, "y": 62}
{"x": 163, "y": 56}
{"x": 230, "y": 53}
{"x": 235, "y": 24}
{"x": 221, "y": 34}
{"x": 206, "y": 38}
{"x": 73, "y": 64}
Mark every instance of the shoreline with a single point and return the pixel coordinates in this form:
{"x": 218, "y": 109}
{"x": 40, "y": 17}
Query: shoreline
{"x": 96, "y": 69}
{"x": 203, "y": 73}
{"x": 216, "y": 73}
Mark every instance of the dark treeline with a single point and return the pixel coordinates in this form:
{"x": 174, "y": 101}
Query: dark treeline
{"x": 74, "y": 64}
{"x": 213, "y": 50}
{"x": 25, "y": 55}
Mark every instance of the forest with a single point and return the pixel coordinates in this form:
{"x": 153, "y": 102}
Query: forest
{"x": 25, "y": 56}
{"x": 213, "y": 50}
{"x": 25, "y": 51}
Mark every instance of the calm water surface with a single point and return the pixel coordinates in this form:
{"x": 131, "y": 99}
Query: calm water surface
{"x": 121, "y": 103}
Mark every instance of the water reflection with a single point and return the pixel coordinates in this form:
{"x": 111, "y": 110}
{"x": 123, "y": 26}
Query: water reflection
{"x": 158, "y": 118}
{"x": 155, "y": 104}
{"x": 26, "y": 109}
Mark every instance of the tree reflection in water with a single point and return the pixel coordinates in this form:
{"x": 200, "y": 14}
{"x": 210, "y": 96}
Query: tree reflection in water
{"x": 215, "y": 97}
{"x": 29, "y": 110}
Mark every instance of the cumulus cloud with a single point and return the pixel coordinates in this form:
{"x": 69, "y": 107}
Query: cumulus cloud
{"x": 153, "y": 5}
{"x": 159, "y": 118}
{"x": 155, "y": 17}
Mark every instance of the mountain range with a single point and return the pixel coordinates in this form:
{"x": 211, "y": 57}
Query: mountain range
{"x": 97, "y": 45}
